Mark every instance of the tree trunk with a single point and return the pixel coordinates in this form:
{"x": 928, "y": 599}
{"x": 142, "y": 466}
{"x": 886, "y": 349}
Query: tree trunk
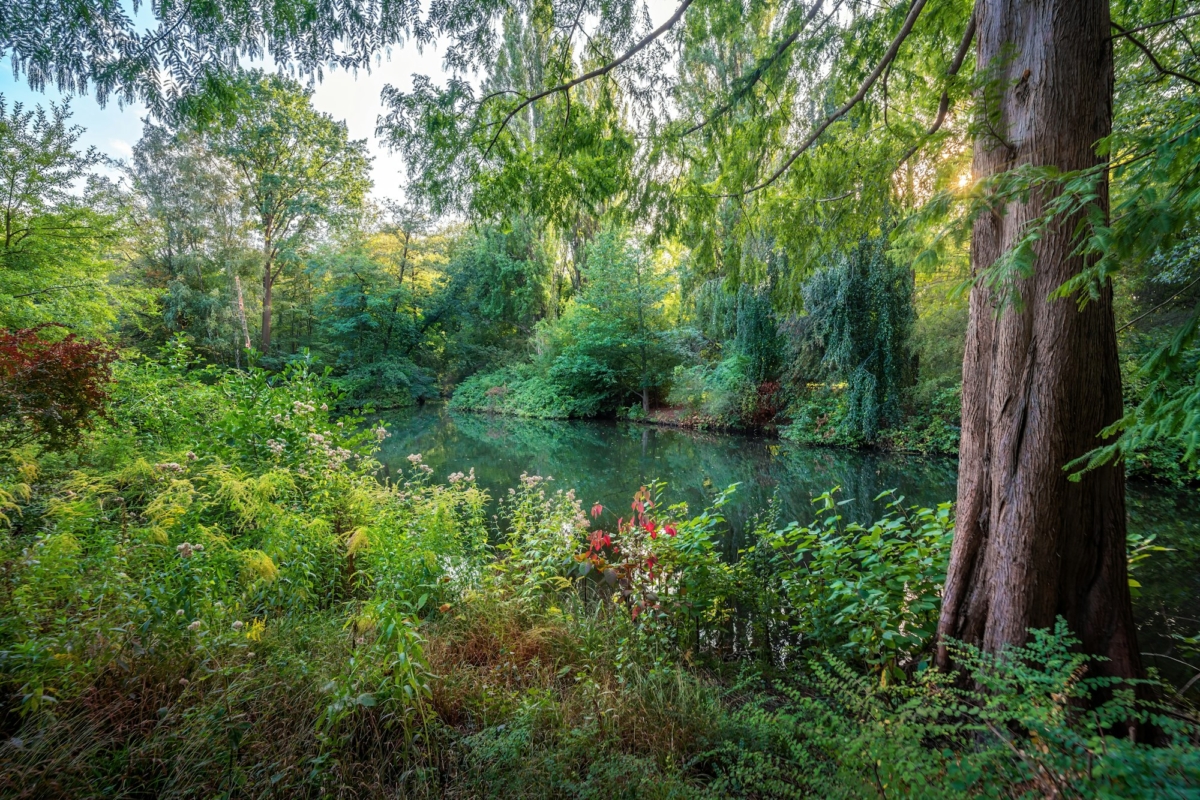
{"x": 1041, "y": 379}
{"x": 268, "y": 281}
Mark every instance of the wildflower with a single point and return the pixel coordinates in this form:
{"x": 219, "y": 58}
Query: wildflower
{"x": 381, "y": 433}
{"x": 250, "y": 654}
{"x": 415, "y": 458}
{"x": 340, "y": 423}
{"x": 184, "y": 681}
{"x": 195, "y": 626}
{"x": 169, "y": 466}
{"x": 237, "y": 626}
{"x": 185, "y": 550}
{"x": 597, "y": 510}
{"x": 199, "y": 548}
{"x": 191, "y": 456}
{"x": 669, "y": 530}
{"x": 179, "y": 612}
{"x": 444, "y": 607}
{"x": 324, "y": 407}
{"x": 275, "y": 446}
{"x": 455, "y": 477}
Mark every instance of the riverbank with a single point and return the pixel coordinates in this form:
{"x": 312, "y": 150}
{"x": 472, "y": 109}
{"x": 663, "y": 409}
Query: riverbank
{"x": 190, "y": 613}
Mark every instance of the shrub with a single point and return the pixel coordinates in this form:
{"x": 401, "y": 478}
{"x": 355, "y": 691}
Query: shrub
{"x": 51, "y": 389}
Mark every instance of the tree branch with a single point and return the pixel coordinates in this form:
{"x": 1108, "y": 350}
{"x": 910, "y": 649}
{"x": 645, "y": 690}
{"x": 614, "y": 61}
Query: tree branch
{"x": 1154, "y": 61}
{"x": 587, "y": 76}
{"x": 1170, "y": 299}
{"x": 964, "y": 47}
{"x": 761, "y": 69}
{"x": 52, "y": 289}
{"x": 1158, "y": 24}
{"x": 888, "y": 57}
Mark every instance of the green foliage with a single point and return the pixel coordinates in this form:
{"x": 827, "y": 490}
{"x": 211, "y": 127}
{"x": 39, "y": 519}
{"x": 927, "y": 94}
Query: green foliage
{"x": 861, "y": 310}
{"x": 519, "y": 391}
{"x": 1019, "y": 732}
{"x": 609, "y": 345}
{"x": 215, "y": 589}
{"x": 55, "y": 243}
{"x": 871, "y": 593}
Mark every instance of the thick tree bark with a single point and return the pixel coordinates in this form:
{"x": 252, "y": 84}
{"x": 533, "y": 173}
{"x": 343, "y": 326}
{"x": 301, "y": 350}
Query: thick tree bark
{"x": 1040, "y": 380}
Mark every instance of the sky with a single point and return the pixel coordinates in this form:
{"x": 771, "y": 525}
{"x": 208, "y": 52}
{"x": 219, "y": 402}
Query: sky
{"x": 353, "y": 98}
{"x": 114, "y": 129}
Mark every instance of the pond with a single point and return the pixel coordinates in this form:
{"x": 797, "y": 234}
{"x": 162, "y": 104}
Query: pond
{"x": 605, "y": 462}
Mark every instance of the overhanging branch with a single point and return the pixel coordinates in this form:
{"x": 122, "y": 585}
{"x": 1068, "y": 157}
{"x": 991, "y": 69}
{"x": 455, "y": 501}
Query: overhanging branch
{"x": 870, "y": 80}
{"x": 761, "y": 69}
{"x": 964, "y": 47}
{"x": 587, "y": 76}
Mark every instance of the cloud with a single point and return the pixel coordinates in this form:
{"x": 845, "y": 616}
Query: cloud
{"x": 121, "y": 147}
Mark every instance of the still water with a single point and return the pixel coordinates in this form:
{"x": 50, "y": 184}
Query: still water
{"x": 606, "y": 462}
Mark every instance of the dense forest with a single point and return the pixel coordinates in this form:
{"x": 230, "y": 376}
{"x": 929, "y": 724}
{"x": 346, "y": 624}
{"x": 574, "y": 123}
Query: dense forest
{"x": 964, "y": 229}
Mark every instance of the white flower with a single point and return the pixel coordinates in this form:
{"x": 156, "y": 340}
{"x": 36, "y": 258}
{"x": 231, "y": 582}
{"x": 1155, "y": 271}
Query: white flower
{"x": 179, "y": 612}
{"x": 185, "y": 550}
{"x": 340, "y": 423}
{"x": 169, "y": 466}
{"x": 237, "y": 626}
{"x": 455, "y": 477}
{"x": 381, "y": 433}
{"x": 195, "y": 626}
{"x": 415, "y": 458}
{"x": 324, "y": 407}
{"x": 275, "y": 446}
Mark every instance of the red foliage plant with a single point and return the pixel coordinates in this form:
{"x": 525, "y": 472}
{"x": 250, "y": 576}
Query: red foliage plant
{"x": 51, "y": 389}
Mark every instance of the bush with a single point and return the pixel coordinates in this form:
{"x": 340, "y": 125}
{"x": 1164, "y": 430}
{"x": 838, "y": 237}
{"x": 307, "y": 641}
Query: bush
{"x": 522, "y": 392}
{"x": 51, "y": 388}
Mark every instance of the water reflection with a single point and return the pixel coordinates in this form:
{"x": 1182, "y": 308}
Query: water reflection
{"x": 606, "y": 462}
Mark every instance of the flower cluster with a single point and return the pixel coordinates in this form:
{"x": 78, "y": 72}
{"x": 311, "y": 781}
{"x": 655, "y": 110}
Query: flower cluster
{"x": 169, "y": 466}
{"x": 300, "y": 407}
{"x": 381, "y": 433}
{"x": 187, "y": 549}
{"x": 275, "y": 446}
{"x": 458, "y": 477}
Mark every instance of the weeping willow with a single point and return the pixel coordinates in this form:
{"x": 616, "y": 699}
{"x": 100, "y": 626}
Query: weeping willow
{"x": 861, "y": 308}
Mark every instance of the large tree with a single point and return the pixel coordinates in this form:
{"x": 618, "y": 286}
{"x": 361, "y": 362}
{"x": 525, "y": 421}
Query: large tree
{"x": 299, "y": 169}
{"x": 1041, "y": 377}
{"x": 56, "y": 242}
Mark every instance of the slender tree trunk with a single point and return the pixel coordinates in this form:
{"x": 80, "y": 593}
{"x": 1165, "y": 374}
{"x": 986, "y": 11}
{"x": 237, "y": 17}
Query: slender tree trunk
{"x": 266, "y": 309}
{"x": 1041, "y": 379}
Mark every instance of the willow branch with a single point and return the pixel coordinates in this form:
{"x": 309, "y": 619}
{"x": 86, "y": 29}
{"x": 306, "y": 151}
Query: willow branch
{"x": 761, "y": 69}
{"x": 888, "y": 57}
{"x": 964, "y": 47}
{"x": 587, "y": 76}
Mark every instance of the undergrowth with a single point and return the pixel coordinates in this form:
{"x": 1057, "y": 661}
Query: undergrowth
{"x": 215, "y": 595}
